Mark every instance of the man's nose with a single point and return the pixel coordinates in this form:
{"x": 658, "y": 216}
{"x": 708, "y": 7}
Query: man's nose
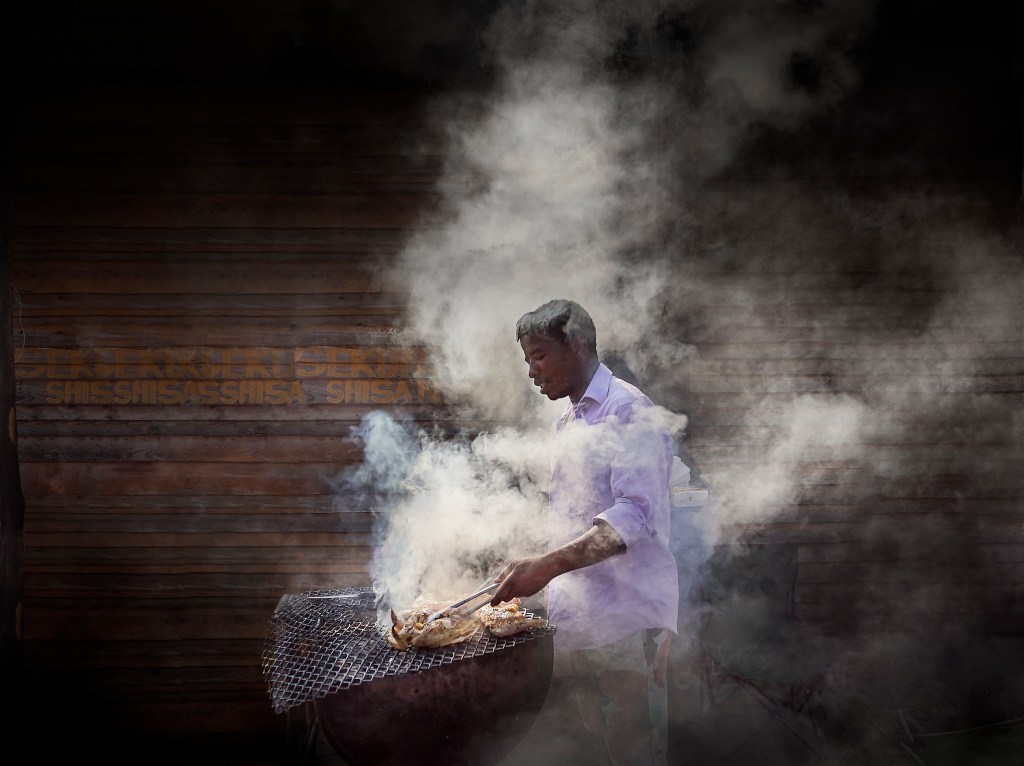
{"x": 533, "y": 370}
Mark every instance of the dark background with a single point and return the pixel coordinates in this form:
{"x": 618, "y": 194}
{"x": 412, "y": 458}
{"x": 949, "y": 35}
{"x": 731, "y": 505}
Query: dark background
{"x": 937, "y": 99}
{"x": 940, "y": 93}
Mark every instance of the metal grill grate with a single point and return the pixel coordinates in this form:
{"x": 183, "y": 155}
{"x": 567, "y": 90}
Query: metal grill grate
{"x": 316, "y": 646}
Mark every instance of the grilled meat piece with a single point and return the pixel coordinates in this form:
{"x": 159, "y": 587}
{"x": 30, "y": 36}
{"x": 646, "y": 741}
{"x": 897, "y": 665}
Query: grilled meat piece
{"x": 507, "y": 619}
{"x": 410, "y": 628}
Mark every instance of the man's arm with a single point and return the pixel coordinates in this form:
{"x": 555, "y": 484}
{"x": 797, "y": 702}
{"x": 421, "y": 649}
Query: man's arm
{"x": 526, "y": 576}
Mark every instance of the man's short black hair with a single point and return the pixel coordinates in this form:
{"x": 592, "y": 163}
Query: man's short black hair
{"x": 560, "y": 319}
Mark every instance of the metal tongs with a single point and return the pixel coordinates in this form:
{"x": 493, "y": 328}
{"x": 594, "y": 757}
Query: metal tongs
{"x": 491, "y": 586}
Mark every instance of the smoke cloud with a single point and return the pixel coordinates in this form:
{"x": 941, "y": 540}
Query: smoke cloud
{"x": 570, "y": 177}
{"x": 598, "y": 165}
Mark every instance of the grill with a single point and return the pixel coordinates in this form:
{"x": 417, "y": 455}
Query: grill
{"x": 322, "y": 642}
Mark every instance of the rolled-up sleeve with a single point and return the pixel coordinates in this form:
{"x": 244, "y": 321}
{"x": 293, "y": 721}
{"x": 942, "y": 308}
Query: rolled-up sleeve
{"x": 638, "y": 469}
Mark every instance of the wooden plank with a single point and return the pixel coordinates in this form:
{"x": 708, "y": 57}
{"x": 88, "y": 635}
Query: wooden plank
{"x": 888, "y": 298}
{"x": 756, "y": 436}
{"x": 213, "y": 729}
{"x": 341, "y": 565}
{"x": 54, "y": 416}
{"x": 205, "y": 478}
{"x": 806, "y": 331}
{"x": 878, "y": 509}
{"x": 179, "y": 682}
{"x": 219, "y": 104}
{"x": 953, "y": 342}
{"x": 198, "y": 145}
{"x": 339, "y": 428}
{"x": 140, "y": 619}
{"x": 12, "y": 503}
{"x": 943, "y": 570}
{"x": 197, "y": 478}
{"x": 768, "y": 216}
{"x": 119, "y": 524}
{"x": 84, "y": 655}
{"x": 170, "y": 728}
{"x": 364, "y": 170}
{"x": 215, "y": 304}
{"x": 903, "y": 613}
{"x": 134, "y": 332}
{"x": 91, "y": 240}
{"x": 391, "y": 211}
{"x": 867, "y": 350}
{"x": 866, "y": 466}
{"x": 193, "y": 538}
{"x": 178, "y": 728}
{"x": 234, "y": 261}
{"x": 230, "y": 449}
{"x": 994, "y": 308}
{"x": 849, "y": 189}
{"x": 819, "y": 276}
{"x": 895, "y": 499}
{"x": 919, "y": 613}
{"x": 79, "y": 382}
{"x": 882, "y": 458}
{"x": 804, "y": 533}
{"x": 93, "y": 503}
{"x": 195, "y": 276}
{"x": 230, "y": 392}
{"x": 991, "y": 595}
{"x": 698, "y": 368}
{"x": 195, "y": 553}
{"x": 947, "y": 491}
{"x": 891, "y": 551}
{"x": 212, "y": 363}
{"x": 773, "y": 410}
{"x": 792, "y": 473}
{"x": 760, "y": 408}
{"x": 828, "y": 384}
{"x": 159, "y": 585}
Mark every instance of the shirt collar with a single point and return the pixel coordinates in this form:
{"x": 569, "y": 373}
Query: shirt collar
{"x": 597, "y": 392}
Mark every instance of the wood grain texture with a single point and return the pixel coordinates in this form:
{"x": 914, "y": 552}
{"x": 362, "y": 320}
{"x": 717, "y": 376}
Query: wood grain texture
{"x": 232, "y": 258}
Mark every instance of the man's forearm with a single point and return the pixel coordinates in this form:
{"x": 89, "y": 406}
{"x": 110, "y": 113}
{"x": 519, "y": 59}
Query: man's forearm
{"x": 524, "y": 577}
{"x": 598, "y": 543}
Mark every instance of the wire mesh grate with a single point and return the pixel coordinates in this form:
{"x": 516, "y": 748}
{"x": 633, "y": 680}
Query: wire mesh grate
{"x": 320, "y": 642}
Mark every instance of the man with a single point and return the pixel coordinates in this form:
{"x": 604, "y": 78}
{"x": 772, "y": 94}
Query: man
{"x": 612, "y": 582}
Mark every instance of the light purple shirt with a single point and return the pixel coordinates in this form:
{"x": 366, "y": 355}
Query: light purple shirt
{"x": 613, "y": 458}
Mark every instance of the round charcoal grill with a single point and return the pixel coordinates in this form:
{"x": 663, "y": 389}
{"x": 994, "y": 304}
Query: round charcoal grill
{"x": 467, "y": 703}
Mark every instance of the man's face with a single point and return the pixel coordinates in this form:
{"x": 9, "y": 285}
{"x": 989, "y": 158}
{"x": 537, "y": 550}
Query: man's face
{"x": 557, "y": 368}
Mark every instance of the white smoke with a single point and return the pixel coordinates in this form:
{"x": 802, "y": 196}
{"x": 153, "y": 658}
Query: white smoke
{"x": 567, "y": 179}
{"x": 454, "y": 510}
{"x": 588, "y": 171}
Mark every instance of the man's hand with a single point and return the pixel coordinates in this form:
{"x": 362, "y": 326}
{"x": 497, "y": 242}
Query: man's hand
{"x": 526, "y": 576}
{"x": 523, "y": 577}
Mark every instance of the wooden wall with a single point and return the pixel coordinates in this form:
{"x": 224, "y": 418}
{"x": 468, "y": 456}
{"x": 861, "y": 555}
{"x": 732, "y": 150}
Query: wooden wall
{"x": 202, "y": 314}
{"x": 203, "y": 311}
